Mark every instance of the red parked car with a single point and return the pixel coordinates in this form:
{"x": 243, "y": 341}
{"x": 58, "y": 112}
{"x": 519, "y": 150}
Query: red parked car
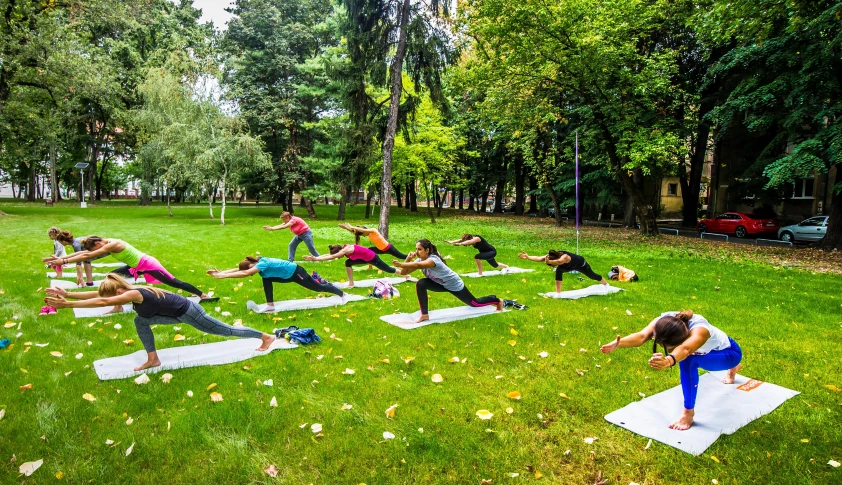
{"x": 739, "y": 224}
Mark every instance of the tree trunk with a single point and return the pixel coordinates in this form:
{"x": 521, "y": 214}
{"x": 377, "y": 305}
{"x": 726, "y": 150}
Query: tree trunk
{"x": 833, "y": 239}
{"x": 691, "y": 182}
{"x": 500, "y": 192}
{"x": 31, "y": 183}
{"x": 413, "y": 198}
{"x": 340, "y": 216}
{"x": 628, "y": 215}
{"x": 408, "y": 203}
{"x": 429, "y": 208}
{"x": 642, "y": 210}
{"x": 306, "y": 202}
{"x": 53, "y": 179}
{"x": 471, "y": 200}
{"x": 392, "y": 124}
{"x": 169, "y": 207}
{"x": 533, "y": 197}
{"x": 520, "y": 186}
{"x": 484, "y": 202}
{"x": 224, "y": 196}
{"x": 398, "y": 195}
{"x": 290, "y": 206}
{"x": 368, "y": 195}
{"x": 461, "y": 197}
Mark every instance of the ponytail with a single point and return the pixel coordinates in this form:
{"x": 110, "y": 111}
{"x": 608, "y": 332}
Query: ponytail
{"x": 54, "y": 232}
{"x": 434, "y": 251}
{"x": 65, "y": 237}
{"x": 466, "y": 237}
{"x": 672, "y": 331}
{"x": 335, "y": 248}
{"x": 248, "y": 262}
{"x": 552, "y": 255}
{"x": 113, "y": 282}
{"x": 685, "y": 316}
{"x": 89, "y": 242}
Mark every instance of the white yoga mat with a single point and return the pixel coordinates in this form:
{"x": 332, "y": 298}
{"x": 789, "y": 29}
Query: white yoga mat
{"x": 720, "y": 409}
{"x": 71, "y": 285}
{"x": 72, "y": 274}
{"x": 498, "y": 272}
{"x": 96, "y": 265}
{"x": 216, "y": 353}
{"x": 305, "y": 304}
{"x": 102, "y": 311}
{"x": 592, "y": 290}
{"x": 370, "y": 283}
{"x": 407, "y": 320}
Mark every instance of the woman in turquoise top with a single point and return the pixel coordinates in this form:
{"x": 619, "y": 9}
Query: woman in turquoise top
{"x": 136, "y": 264}
{"x": 274, "y": 270}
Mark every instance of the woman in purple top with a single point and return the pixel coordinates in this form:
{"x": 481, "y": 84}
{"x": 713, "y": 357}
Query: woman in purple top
{"x": 356, "y": 255}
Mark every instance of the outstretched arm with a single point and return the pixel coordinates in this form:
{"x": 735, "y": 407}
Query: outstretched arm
{"x": 327, "y": 257}
{"x": 632, "y": 340}
{"x": 564, "y": 259}
{"x": 698, "y": 337}
{"x": 407, "y": 267}
{"x": 537, "y": 259}
{"x": 232, "y": 273}
{"x": 75, "y": 295}
{"x": 132, "y": 296}
{"x": 355, "y": 229}
{"x": 113, "y": 246}
{"x": 278, "y": 227}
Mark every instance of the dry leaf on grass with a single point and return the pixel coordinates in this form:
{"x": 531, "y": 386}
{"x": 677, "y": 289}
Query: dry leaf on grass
{"x": 388, "y": 436}
{"x": 211, "y": 386}
{"x": 79, "y": 356}
{"x": 269, "y": 383}
{"x": 178, "y": 338}
{"x": 142, "y": 379}
{"x": 56, "y": 353}
{"x": 390, "y": 413}
{"x": 189, "y": 393}
{"x": 128, "y": 341}
{"x": 129, "y": 421}
{"x": 348, "y": 371}
{"x": 833, "y": 463}
{"x": 512, "y": 343}
{"x": 454, "y": 359}
{"x": 2, "y": 413}
{"x": 26, "y": 387}
{"x": 273, "y": 403}
{"x": 166, "y": 378}
{"x": 563, "y": 395}
{"x": 130, "y": 449}
{"x": 88, "y": 397}
{"x": 29, "y": 467}
{"x": 408, "y": 359}
{"x": 216, "y": 397}
{"x": 437, "y": 378}
{"x": 590, "y": 440}
{"x": 271, "y": 470}
{"x": 316, "y": 427}
{"x": 509, "y": 410}
{"x": 513, "y": 332}
{"x": 513, "y": 395}
{"x": 346, "y": 407}
{"x": 833, "y": 388}
{"x": 484, "y": 414}
{"x": 543, "y": 355}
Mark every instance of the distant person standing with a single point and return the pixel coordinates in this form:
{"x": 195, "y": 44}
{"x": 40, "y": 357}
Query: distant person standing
{"x": 301, "y": 233}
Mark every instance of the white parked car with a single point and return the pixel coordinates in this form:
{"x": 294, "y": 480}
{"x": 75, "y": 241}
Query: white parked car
{"x": 812, "y": 229}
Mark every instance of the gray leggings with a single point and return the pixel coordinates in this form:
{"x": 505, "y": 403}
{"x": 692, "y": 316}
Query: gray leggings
{"x": 195, "y": 317}
{"x": 305, "y": 237}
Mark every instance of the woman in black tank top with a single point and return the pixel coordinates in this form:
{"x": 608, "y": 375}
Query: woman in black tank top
{"x": 487, "y": 252}
{"x": 153, "y": 307}
{"x": 564, "y": 262}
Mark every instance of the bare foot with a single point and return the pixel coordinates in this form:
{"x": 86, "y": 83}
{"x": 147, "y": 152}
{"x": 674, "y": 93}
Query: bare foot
{"x": 503, "y": 266}
{"x": 148, "y": 364}
{"x": 422, "y": 318}
{"x": 269, "y": 309}
{"x": 500, "y": 305}
{"x": 350, "y": 285}
{"x": 685, "y": 421}
{"x": 732, "y": 373}
{"x": 267, "y": 341}
{"x": 117, "y": 309}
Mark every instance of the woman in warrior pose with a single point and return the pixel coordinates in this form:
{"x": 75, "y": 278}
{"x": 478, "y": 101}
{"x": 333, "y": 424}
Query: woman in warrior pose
{"x": 355, "y": 255}
{"x": 564, "y": 262}
{"x": 690, "y": 341}
{"x": 486, "y": 252}
{"x": 273, "y": 270}
{"x": 153, "y": 307}
{"x": 380, "y": 244}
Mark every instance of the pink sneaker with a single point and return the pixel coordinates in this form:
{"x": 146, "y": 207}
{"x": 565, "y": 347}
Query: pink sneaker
{"x": 45, "y": 310}
{"x": 52, "y": 310}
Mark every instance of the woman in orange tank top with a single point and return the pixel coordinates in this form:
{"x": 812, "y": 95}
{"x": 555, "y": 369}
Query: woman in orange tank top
{"x": 381, "y": 245}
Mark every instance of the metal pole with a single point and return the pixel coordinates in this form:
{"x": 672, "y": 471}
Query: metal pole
{"x": 83, "y": 187}
{"x": 577, "y": 192}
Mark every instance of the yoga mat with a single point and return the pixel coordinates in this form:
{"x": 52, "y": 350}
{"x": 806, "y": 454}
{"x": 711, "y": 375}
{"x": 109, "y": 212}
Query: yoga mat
{"x": 305, "y": 304}
{"x": 101, "y": 311}
{"x": 72, "y": 274}
{"x": 509, "y": 270}
{"x": 583, "y": 292}
{"x": 407, "y": 320}
{"x": 720, "y": 409}
{"x": 216, "y": 353}
{"x": 370, "y": 283}
{"x": 71, "y": 285}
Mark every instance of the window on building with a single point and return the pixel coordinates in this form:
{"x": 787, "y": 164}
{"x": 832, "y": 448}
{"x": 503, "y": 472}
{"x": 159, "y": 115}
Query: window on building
{"x": 672, "y": 189}
{"x": 803, "y": 188}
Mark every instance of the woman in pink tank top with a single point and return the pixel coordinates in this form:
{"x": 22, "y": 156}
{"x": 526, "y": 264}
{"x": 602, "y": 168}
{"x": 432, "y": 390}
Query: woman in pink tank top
{"x": 300, "y": 233}
{"x": 355, "y": 255}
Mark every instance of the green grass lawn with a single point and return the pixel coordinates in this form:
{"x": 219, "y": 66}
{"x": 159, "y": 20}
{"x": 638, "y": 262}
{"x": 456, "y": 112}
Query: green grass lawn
{"x": 788, "y": 322}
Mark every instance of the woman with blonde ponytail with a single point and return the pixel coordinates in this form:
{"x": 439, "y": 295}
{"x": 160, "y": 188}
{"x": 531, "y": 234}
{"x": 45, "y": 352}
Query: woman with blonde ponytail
{"x": 153, "y": 307}
{"x": 690, "y": 341}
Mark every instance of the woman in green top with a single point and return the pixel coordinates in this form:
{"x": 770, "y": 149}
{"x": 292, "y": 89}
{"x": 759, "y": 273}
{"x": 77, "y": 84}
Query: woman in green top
{"x": 136, "y": 263}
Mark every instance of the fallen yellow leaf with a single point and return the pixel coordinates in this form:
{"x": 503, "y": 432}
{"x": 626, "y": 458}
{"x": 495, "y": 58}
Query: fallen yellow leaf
{"x": 437, "y": 378}
{"x": 512, "y": 343}
{"x": 60, "y": 475}
{"x": 216, "y": 397}
{"x": 56, "y": 353}
{"x": 454, "y": 359}
{"x": 513, "y": 331}
{"x": 714, "y": 458}
{"x": 833, "y": 388}
{"x": 346, "y": 407}
{"x": 484, "y": 414}
{"x": 211, "y": 386}
{"x": 385, "y": 361}
{"x": 178, "y": 338}
{"x": 390, "y": 413}
{"x": 88, "y": 397}
{"x": 513, "y": 395}
{"x": 128, "y": 341}
{"x": 563, "y": 395}
{"x": 408, "y": 359}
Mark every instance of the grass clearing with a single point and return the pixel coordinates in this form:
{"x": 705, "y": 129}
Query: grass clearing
{"x": 787, "y": 320}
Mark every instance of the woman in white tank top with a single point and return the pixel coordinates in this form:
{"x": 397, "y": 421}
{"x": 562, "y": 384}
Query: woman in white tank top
{"x": 690, "y": 341}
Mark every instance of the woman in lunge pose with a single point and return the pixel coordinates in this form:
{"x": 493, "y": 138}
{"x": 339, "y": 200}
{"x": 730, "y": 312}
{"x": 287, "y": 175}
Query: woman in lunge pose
{"x": 440, "y": 278}
{"x": 136, "y": 264}
{"x": 355, "y": 255}
{"x": 486, "y": 252}
{"x": 153, "y": 307}
{"x": 690, "y": 341}
{"x": 381, "y": 245}
{"x": 273, "y": 270}
{"x": 564, "y": 262}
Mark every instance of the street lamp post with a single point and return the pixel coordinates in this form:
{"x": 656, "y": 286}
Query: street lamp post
{"x": 82, "y": 166}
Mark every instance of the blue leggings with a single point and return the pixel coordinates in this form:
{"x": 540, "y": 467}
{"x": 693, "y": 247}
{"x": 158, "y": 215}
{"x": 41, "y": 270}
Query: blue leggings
{"x": 712, "y": 361}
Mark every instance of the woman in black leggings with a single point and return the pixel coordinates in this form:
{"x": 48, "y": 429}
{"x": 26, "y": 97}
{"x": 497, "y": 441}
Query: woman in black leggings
{"x": 274, "y": 270}
{"x": 487, "y": 252}
{"x": 564, "y": 262}
{"x": 355, "y": 255}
